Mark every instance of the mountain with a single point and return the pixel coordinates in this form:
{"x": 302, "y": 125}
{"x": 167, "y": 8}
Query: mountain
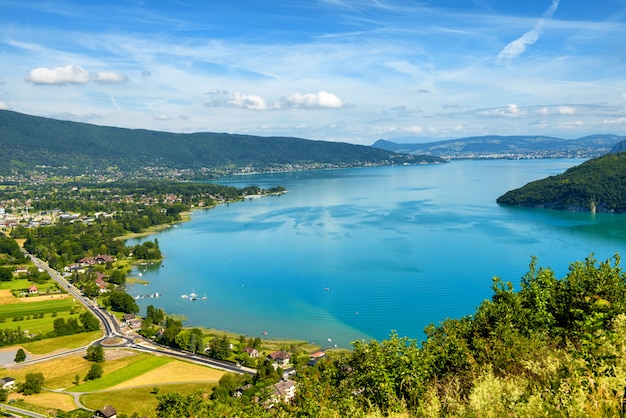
{"x": 597, "y": 185}
{"x": 509, "y": 147}
{"x": 72, "y": 148}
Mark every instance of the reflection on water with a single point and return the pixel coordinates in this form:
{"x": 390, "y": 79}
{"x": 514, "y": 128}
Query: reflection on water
{"x": 354, "y": 254}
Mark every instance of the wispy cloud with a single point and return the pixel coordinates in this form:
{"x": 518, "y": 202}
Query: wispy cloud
{"x": 517, "y": 47}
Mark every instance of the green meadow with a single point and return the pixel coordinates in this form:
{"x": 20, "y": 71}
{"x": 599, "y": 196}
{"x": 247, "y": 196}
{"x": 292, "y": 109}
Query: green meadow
{"x": 46, "y": 307}
{"x": 128, "y": 372}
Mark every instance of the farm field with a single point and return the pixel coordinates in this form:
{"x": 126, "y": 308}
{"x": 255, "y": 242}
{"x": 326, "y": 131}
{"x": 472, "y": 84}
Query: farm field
{"x": 128, "y": 375}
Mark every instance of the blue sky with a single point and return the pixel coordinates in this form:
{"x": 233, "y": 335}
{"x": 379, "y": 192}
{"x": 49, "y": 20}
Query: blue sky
{"x": 340, "y": 70}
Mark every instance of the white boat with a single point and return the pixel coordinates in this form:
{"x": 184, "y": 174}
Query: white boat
{"x": 184, "y": 296}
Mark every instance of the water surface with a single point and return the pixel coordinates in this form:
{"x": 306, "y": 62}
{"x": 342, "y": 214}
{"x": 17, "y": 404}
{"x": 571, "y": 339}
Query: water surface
{"x": 356, "y": 253}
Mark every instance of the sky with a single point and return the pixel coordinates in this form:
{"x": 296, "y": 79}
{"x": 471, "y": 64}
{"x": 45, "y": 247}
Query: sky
{"x": 338, "y": 70}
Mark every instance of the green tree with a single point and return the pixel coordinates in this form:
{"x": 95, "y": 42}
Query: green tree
{"x": 220, "y": 348}
{"x": 32, "y": 384}
{"x": 20, "y": 356}
{"x": 95, "y": 372}
{"x": 6, "y": 274}
{"x": 95, "y": 353}
{"x": 123, "y": 302}
{"x": 89, "y": 321}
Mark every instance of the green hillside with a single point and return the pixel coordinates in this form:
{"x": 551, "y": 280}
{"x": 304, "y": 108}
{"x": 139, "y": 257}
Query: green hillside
{"x": 72, "y": 148}
{"x": 596, "y": 185}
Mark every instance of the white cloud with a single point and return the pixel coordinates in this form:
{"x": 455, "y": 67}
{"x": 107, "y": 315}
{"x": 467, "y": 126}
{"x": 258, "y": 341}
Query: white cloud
{"x": 517, "y": 47}
{"x": 3, "y": 105}
{"x": 624, "y": 96}
{"x": 72, "y": 74}
{"x": 558, "y": 110}
{"x": 245, "y": 101}
{"x": 314, "y": 100}
{"x": 109, "y": 77}
{"x": 509, "y": 111}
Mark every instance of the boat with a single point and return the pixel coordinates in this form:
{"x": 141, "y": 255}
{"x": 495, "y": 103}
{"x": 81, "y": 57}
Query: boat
{"x": 184, "y": 296}
{"x": 327, "y": 289}
{"x": 204, "y": 297}
{"x": 193, "y": 296}
{"x": 264, "y": 333}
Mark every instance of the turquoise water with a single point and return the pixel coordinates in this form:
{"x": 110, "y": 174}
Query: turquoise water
{"x": 356, "y": 253}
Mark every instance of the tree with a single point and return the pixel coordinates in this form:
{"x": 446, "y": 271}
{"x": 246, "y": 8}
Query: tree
{"x": 33, "y": 383}
{"x": 123, "y": 302}
{"x": 89, "y": 321}
{"x": 95, "y": 372}
{"x": 95, "y": 353}
{"x": 6, "y": 274}
{"x": 20, "y": 356}
{"x": 220, "y": 348}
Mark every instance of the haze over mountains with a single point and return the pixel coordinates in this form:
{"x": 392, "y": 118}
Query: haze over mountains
{"x": 493, "y": 146}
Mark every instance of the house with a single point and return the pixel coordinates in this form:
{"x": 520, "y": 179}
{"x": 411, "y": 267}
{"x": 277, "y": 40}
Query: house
{"x": 281, "y": 358}
{"x": 33, "y": 290}
{"x": 283, "y": 391}
{"x": 105, "y": 412}
{"x": 251, "y": 351}
{"x": 315, "y": 357}
{"x": 128, "y": 317}
{"x": 87, "y": 261}
{"x": 289, "y": 372}
{"x": 101, "y": 285}
{"x": 240, "y": 390}
{"x": 104, "y": 258}
{"x": 135, "y": 323}
{"x": 7, "y": 383}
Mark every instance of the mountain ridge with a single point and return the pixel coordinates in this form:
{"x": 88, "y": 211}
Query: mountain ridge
{"x": 75, "y": 148}
{"x": 518, "y": 146}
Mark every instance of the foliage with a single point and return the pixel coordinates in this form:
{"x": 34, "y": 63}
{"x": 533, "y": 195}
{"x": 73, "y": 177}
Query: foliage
{"x": 32, "y": 384}
{"x": 72, "y": 148}
{"x": 123, "y": 302}
{"x": 89, "y": 321}
{"x": 595, "y": 185}
{"x": 220, "y": 348}
{"x": 95, "y": 372}
{"x": 555, "y": 347}
{"x": 95, "y": 353}
{"x": 20, "y": 356}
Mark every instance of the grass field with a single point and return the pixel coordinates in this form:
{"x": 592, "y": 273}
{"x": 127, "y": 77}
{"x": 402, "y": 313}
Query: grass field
{"x": 20, "y": 284}
{"x": 48, "y": 401}
{"x": 132, "y": 369}
{"x": 66, "y": 342}
{"x": 45, "y": 306}
{"x": 128, "y": 381}
{"x": 37, "y": 325}
{"x": 141, "y": 400}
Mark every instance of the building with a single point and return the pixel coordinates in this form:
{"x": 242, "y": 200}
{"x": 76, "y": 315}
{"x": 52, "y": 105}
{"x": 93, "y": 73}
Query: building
{"x": 105, "y": 412}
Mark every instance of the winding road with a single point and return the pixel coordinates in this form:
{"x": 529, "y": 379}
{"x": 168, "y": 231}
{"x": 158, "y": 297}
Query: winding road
{"x": 113, "y": 331}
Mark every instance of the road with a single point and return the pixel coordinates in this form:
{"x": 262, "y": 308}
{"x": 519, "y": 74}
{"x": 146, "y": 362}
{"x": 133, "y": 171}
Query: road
{"x": 112, "y": 330}
{"x": 21, "y": 412}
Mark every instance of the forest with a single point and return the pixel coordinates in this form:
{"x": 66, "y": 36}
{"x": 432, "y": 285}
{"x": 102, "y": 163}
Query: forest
{"x": 70, "y": 148}
{"x": 597, "y": 185}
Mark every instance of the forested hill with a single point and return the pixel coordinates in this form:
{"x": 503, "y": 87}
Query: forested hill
{"x": 595, "y": 185}
{"x": 493, "y": 146}
{"x": 75, "y": 148}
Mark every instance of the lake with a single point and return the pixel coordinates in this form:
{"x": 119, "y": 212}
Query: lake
{"x": 353, "y": 254}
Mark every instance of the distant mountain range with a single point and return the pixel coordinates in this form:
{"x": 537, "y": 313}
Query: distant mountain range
{"x": 492, "y": 146}
{"x": 53, "y": 147}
